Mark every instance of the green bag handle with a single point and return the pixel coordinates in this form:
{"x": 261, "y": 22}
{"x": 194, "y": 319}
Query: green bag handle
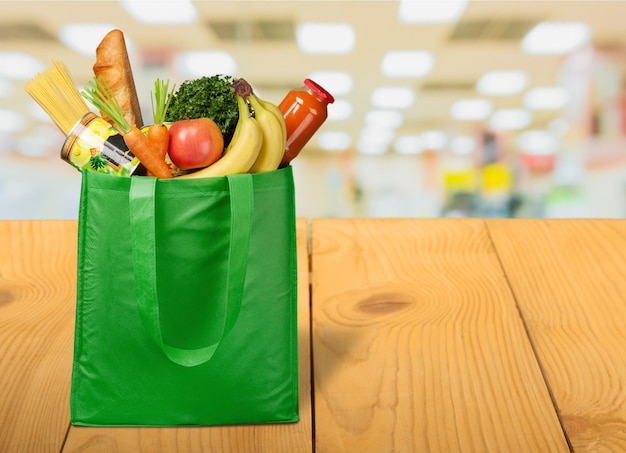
{"x": 142, "y": 206}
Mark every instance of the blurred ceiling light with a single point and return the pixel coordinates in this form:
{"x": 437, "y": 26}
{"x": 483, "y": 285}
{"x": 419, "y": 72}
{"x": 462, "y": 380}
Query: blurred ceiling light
{"x": 19, "y": 65}
{"x": 161, "y": 12}
{"x": 500, "y": 83}
{"x": 199, "y": 63}
{"x": 384, "y": 118}
{"x": 372, "y": 148}
{"x": 463, "y": 145}
{"x": 409, "y": 144}
{"x": 11, "y": 121}
{"x": 325, "y": 38}
{"x": 545, "y": 98}
{"x": 6, "y": 88}
{"x": 407, "y": 63}
{"x": 433, "y": 11}
{"x": 334, "y": 140}
{"x": 339, "y": 110}
{"x": 509, "y": 119}
{"x": 338, "y": 83}
{"x": 556, "y": 38}
{"x": 365, "y": 147}
{"x": 84, "y": 38}
{"x": 393, "y": 97}
{"x": 434, "y": 139}
{"x": 537, "y": 142}
{"x": 377, "y": 134}
{"x": 471, "y": 109}
{"x": 374, "y": 140}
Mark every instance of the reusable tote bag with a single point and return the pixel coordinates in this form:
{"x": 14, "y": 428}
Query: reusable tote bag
{"x": 186, "y": 301}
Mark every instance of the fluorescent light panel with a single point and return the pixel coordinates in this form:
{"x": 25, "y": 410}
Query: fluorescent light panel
{"x": 11, "y": 121}
{"x": 545, "y": 98}
{"x": 369, "y": 148}
{"x": 374, "y": 140}
{"x": 537, "y": 142}
{"x": 407, "y": 63}
{"x": 433, "y": 11}
{"x": 325, "y": 38}
{"x": 500, "y": 83}
{"x": 19, "y": 65}
{"x": 6, "y": 88}
{"x": 434, "y": 139}
{"x": 161, "y": 12}
{"x": 339, "y": 110}
{"x": 463, "y": 145}
{"x": 471, "y": 109}
{"x": 556, "y": 38}
{"x": 334, "y": 140}
{"x": 509, "y": 119}
{"x": 84, "y": 38}
{"x": 384, "y": 119}
{"x": 377, "y": 134}
{"x": 409, "y": 144}
{"x": 393, "y": 97}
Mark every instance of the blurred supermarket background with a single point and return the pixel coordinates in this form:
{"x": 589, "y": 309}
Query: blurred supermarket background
{"x": 444, "y": 108}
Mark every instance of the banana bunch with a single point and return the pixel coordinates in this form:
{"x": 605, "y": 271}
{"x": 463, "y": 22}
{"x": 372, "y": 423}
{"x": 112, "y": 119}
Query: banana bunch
{"x": 274, "y": 129}
{"x": 258, "y": 143}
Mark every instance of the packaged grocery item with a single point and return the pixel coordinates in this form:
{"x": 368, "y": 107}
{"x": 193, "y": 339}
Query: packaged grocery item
{"x": 305, "y": 109}
{"x": 93, "y": 144}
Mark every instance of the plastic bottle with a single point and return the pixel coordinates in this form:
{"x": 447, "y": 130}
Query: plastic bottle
{"x": 305, "y": 109}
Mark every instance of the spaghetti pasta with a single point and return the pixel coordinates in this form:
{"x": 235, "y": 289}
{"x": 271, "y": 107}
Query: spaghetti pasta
{"x": 55, "y": 92}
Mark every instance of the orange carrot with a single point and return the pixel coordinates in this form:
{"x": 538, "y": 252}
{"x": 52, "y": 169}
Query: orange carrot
{"x": 144, "y": 150}
{"x": 161, "y": 98}
{"x": 159, "y": 136}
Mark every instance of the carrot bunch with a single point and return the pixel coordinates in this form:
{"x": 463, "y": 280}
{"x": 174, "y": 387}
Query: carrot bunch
{"x": 101, "y": 96}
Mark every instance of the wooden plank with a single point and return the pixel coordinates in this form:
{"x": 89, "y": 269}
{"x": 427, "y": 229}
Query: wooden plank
{"x": 418, "y": 345}
{"x": 273, "y": 438}
{"x": 37, "y": 294}
{"x": 571, "y": 290}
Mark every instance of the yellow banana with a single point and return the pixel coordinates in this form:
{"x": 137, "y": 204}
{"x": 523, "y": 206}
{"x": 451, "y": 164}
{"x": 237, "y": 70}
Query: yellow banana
{"x": 276, "y": 111}
{"x": 242, "y": 150}
{"x": 274, "y": 136}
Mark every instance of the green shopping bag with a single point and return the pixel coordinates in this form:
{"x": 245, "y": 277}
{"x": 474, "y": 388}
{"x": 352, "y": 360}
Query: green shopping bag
{"x": 186, "y": 301}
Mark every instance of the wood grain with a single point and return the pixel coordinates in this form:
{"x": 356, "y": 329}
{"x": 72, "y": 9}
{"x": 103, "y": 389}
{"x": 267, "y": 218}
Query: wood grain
{"x": 571, "y": 291}
{"x": 418, "y": 345}
{"x": 273, "y": 438}
{"x": 37, "y": 294}
{"x": 420, "y": 334}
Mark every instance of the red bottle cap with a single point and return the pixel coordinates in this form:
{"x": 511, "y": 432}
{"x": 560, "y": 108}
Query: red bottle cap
{"x": 321, "y": 92}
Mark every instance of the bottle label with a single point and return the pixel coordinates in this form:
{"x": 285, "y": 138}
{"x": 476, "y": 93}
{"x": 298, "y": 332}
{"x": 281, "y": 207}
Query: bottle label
{"x": 93, "y": 144}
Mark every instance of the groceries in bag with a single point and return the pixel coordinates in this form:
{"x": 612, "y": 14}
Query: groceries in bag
{"x": 211, "y": 126}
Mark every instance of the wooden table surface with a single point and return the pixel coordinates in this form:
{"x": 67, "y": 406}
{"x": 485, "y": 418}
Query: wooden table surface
{"x": 416, "y": 335}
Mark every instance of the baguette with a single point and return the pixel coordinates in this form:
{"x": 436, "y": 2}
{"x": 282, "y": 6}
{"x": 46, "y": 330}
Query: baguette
{"x": 113, "y": 67}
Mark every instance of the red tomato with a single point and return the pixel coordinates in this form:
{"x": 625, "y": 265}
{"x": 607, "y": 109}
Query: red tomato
{"x": 195, "y": 143}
